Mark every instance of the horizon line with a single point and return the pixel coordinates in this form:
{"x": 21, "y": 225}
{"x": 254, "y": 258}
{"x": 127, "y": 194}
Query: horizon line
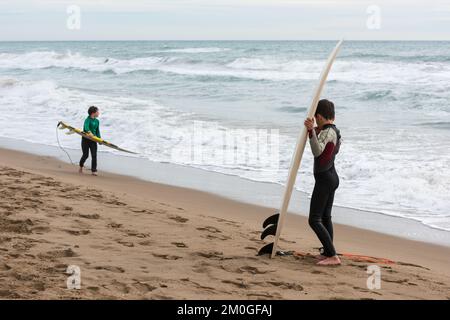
{"x": 224, "y": 40}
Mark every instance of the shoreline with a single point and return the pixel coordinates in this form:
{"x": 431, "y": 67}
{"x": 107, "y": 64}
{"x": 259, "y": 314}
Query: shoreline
{"x": 136, "y": 239}
{"x": 235, "y": 188}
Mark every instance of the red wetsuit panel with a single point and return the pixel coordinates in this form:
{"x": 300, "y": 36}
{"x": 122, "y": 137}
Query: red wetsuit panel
{"x": 327, "y": 154}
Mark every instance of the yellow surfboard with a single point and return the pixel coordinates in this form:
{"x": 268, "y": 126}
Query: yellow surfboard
{"x": 62, "y": 125}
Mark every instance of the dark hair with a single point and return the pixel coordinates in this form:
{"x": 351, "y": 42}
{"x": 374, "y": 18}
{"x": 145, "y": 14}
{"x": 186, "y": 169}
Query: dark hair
{"x": 92, "y": 109}
{"x": 326, "y": 109}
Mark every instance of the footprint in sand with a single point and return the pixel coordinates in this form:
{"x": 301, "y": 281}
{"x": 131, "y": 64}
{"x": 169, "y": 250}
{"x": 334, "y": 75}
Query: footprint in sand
{"x": 93, "y": 289}
{"x": 144, "y": 287}
{"x": 7, "y": 294}
{"x": 133, "y": 233}
{"x": 209, "y": 229}
{"x": 114, "y": 225}
{"x": 274, "y": 295}
{"x": 399, "y": 281}
{"x": 78, "y": 232}
{"x": 110, "y": 268}
{"x": 16, "y": 226}
{"x": 118, "y": 286}
{"x": 211, "y": 255}
{"x": 179, "y": 244}
{"x": 166, "y": 256}
{"x": 239, "y": 283}
{"x": 39, "y": 286}
{"x": 146, "y": 243}
{"x": 252, "y": 270}
{"x": 179, "y": 219}
{"x": 217, "y": 237}
{"x": 125, "y": 243}
{"x": 115, "y": 202}
{"x": 229, "y": 222}
{"x": 89, "y": 216}
{"x": 58, "y": 254}
{"x": 4, "y": 267}
{"x": 198, "y": 285}
{"x": 286, "y": 285}
{"x": 145, "y": 211}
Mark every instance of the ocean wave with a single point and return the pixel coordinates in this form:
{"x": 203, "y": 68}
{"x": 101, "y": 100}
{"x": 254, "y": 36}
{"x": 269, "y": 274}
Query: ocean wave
{"x": 292, "y": 109}
{"x": 397, "y": 57}
{"x": 437, "y": 125}
{"x": 51, "y": 59}
{"x": 253, "y": 68}
{"x": 196, "y": 50}
{"x": 377, "y": 95}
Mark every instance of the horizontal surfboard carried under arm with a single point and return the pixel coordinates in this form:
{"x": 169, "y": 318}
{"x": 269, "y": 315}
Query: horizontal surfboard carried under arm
{"x": 71, "y": 130}
{"x": 273, "y": 224}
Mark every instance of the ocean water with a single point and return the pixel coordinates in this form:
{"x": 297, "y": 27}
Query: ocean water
{"x": 392, "y": 106}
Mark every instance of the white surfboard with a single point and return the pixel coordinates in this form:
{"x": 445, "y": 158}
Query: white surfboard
{"x": 276, "y": 221}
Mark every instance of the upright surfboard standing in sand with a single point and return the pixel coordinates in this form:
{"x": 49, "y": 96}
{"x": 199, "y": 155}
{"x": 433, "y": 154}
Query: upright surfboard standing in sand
{"x": 273, "y": 224}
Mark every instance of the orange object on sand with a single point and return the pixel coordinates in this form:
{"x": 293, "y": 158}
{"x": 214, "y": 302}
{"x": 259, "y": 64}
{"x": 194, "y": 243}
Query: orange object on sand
{"x": 361, "y": 258}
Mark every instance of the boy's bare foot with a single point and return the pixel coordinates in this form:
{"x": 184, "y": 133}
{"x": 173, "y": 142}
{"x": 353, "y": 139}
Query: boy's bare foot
{"x": 80, "y": 170}
{"x": 330, "y": 261}
{"x": 94, "y": 173}
{"x": 320, "y": 257}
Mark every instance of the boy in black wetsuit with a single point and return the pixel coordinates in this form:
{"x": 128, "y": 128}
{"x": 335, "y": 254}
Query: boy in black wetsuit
{"x": 325, "y": 140}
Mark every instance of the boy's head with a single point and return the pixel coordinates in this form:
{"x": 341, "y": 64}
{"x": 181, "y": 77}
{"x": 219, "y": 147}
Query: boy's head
{"x": 93, "y": 112}
{"x": 325, "y": 112}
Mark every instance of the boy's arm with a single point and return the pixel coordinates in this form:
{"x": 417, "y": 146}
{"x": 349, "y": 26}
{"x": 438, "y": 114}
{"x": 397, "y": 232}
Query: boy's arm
{"x": 319, "y": 142}
{"x": 98, "y": 131}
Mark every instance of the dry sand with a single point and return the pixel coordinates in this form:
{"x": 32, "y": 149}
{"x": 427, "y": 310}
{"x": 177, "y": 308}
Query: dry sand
{"x": 134, "y": 239}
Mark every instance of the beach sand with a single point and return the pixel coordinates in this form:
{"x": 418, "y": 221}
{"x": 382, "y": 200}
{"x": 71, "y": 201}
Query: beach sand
{"x": 134, "y": 239}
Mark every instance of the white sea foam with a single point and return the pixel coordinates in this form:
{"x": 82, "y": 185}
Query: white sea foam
{"x": 404, "y": 183}
{"x": 197, "y": 50}
{"x": 261, "y": 68}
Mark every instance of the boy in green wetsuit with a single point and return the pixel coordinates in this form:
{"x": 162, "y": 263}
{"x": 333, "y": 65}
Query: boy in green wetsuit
{"x": 92, "y": 127}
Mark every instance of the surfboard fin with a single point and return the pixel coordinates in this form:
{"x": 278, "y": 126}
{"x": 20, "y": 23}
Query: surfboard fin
{"x": 267, "y": 249}
{"x": 270, "y": 230}
{"x": 273, "y": 219}
{"x": 270, "y": 226}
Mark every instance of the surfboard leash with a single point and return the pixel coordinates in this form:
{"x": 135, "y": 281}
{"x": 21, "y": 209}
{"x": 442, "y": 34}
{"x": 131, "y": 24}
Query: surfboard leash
{"x": 60, "y": 146}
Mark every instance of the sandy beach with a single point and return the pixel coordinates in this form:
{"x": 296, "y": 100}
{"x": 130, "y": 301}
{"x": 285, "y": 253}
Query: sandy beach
{"x": 134, "y": 239}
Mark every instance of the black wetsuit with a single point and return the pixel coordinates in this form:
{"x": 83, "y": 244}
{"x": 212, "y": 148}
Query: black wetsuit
{"x": 87, "y": 145}
{"x": 325, "y": 145}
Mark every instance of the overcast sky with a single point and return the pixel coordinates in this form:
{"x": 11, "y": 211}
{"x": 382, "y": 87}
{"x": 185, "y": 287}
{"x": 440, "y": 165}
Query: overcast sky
{"x": 226, "y": 20}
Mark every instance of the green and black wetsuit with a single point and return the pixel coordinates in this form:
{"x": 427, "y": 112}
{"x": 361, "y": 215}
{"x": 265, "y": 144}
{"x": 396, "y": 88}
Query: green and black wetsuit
{"x": 90, "y": 125}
